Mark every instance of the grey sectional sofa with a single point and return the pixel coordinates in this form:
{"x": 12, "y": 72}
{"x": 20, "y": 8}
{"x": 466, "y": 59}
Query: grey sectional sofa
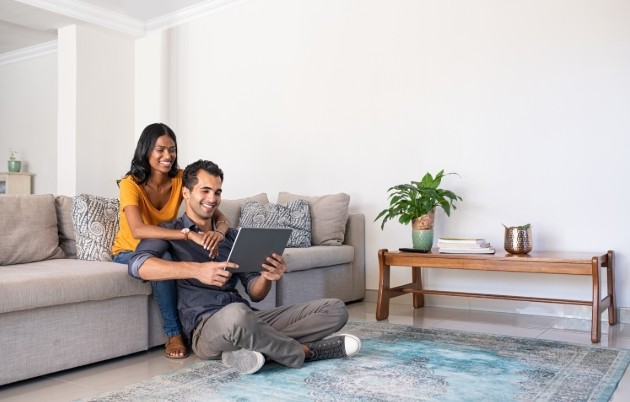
{"x": 58, "y": 312}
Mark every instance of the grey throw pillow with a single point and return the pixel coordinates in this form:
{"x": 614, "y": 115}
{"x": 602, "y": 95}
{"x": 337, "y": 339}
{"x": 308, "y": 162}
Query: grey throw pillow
{"x": 329, "y": 214}
{"x": 29, "y": 230}
{"x": 294, "y": 215}
{"x": 95, "y": 221}
{"x": 67, "y": 242}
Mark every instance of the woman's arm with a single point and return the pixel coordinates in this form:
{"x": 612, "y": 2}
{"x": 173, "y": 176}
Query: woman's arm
{"x": 140, "y": 230}
{"x": 210, "y": 240}
{"x": 221, "y": 223}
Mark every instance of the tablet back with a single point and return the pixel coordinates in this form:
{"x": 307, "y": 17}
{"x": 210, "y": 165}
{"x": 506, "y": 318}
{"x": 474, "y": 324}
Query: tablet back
{"x": 253, "y": 245}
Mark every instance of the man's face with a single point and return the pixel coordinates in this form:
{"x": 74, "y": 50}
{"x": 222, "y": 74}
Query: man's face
{"x": 204, "y": 199}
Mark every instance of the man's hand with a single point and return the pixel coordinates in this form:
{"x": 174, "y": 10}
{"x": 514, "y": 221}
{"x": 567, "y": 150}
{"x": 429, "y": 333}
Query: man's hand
{"x": 274, "y": 269}
{"x": 214, "y": 273}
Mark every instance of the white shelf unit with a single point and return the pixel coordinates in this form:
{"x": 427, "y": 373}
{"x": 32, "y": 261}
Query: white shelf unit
{"x": 15, "y": 183}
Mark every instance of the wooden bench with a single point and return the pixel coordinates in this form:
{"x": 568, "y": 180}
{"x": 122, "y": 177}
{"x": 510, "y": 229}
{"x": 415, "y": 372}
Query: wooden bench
{"x": 543, "y": 262}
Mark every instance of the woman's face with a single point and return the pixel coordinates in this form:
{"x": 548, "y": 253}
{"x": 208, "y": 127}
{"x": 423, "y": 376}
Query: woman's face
{"x": 163, "y": 155}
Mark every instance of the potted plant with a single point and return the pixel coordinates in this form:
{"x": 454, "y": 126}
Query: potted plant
{"x": 416, "y": 202}
{"x": 14, "y": 164}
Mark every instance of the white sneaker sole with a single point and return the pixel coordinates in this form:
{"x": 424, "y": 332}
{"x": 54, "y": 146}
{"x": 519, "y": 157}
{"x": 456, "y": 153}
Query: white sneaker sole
{"x": 243, "y": 360}
{"x": 352, "y": 344}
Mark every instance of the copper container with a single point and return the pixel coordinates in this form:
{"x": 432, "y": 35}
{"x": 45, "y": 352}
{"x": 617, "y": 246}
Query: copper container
{"x": 518, "y": 239}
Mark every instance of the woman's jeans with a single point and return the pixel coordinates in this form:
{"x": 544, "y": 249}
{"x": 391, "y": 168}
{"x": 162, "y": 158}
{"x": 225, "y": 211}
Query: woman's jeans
{"x": 164, "y": 293}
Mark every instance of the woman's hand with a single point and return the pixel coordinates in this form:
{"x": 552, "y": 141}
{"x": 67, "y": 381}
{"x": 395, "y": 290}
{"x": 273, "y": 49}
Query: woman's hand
{"x": 208, "y": 240}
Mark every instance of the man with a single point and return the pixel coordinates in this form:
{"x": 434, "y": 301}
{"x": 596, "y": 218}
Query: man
{"x": 220, "y": 323}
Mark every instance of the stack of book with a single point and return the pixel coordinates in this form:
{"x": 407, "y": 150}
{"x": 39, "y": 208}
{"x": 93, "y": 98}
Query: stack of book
{"x": 459, "y": 245}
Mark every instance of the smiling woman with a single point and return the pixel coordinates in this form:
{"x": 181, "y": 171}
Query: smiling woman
{"x": 150, "y": 194}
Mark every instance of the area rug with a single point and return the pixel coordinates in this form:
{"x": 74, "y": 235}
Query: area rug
{"x": 405, "y": 363}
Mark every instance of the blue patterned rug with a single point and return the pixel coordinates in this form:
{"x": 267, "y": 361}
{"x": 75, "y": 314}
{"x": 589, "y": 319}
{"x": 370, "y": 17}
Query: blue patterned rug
{"x": 404, "y": 363}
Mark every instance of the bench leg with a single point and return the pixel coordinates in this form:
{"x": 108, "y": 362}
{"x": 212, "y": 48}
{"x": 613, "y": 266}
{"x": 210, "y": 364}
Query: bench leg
{"x": 382, "y": 302}
{"x": 610, "y": 276}
{"x": 596, "y": 320}
{"x": 606, "y": 261}
{"x": 416, "y": 278}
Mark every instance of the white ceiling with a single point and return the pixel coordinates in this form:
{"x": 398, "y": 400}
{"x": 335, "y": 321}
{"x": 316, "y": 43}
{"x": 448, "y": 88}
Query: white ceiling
{"x": 25, "y": 23}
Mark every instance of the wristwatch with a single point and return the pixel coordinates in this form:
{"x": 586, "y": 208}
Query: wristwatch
{"x": 185, "y": 231}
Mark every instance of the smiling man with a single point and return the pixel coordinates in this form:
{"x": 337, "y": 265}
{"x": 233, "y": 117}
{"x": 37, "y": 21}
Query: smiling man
{"x": 219, "y": 322}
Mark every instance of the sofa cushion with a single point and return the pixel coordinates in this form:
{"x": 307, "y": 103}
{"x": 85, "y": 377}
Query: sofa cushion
{"x": 301, "y": 259}
{"x": 329, "y": 214}
{"x": 232, "y": 208}
{"x": 294, "y": 215}
{"x": 95, "y": 221}
{"x": 65, "y": 281}
{"x": 63, "y": 204}
{"x": 28, "y": 229}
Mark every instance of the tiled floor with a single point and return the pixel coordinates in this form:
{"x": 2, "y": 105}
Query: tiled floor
{"x": 97, "y": 378}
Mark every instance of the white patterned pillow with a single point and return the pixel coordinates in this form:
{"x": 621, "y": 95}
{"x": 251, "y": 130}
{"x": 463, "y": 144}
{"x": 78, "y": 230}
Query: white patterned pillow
{"x": 294, "y": 215}
{"x": 95, "y": 221}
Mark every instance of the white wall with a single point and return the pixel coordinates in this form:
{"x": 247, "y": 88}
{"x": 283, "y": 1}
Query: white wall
{"x": 28, "y": 118}
{"x": 527, "y": 101}
{"x": 151, "y": 80}
{"x": 70, "y": 115}
{"x": 96, "y": 104}
{"x": 105, "y": 110}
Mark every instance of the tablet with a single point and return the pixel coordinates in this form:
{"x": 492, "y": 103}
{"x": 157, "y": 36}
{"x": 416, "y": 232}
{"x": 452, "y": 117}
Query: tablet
{"x": 252, "y": 246}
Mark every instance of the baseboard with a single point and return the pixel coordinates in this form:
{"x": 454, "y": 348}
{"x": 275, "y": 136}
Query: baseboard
{"x": 504, "y": 306}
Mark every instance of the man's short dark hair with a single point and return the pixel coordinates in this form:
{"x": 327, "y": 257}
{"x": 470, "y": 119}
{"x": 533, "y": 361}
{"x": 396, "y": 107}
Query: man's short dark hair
{"x": 191, "y": 171}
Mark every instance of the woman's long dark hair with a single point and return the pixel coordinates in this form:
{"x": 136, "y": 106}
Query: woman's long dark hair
{"x": 140, "y": 169}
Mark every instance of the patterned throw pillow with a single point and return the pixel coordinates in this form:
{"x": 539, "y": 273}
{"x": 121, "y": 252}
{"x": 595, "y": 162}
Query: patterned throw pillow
{"x": 294, "y": 215}
{"x": 95, "y": 221}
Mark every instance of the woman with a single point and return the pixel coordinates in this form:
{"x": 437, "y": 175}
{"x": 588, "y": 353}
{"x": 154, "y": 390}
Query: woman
{"x": 151, "y": 193}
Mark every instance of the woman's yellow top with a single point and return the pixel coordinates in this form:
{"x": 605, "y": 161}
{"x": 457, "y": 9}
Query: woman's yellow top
{"x": 131, "y": 193}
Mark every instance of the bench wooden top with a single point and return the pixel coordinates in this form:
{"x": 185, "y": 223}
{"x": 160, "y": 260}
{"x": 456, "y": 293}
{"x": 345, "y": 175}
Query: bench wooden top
{"x": 551, "y": 262}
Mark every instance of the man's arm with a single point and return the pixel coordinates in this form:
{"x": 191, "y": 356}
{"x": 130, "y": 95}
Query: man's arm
{"x": 145, "y": 264}
{"x": 157, "y": 269}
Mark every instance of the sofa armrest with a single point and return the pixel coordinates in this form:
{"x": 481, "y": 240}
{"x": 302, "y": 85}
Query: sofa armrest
{"x": 355, "y": 237}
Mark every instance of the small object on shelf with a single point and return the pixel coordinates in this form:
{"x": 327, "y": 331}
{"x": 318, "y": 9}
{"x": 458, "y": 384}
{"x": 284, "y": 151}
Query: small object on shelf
{"x": 461, "y": 240}
{"x": 416, "y": 202}
{"x": 484, "y": 250}
{"x": 14, "y": 165}
{"x": 518, "y": 239}
{"x": 464, "y": 245}
{"x": 412, "y": 250}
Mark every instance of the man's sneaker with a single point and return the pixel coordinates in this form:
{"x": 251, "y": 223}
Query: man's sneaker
{"x": 243, "y": 360}
{"x": 344, "y": 345}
